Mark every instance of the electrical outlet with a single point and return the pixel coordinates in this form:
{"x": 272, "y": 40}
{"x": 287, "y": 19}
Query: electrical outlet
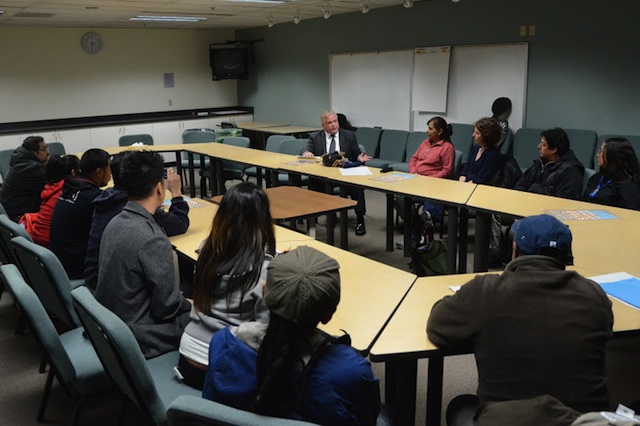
{"x": 170, "y": 102}
{"x": 523, "y": 30}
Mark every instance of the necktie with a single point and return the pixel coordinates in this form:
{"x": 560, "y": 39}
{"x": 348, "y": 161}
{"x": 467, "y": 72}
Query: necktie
{"x": 332, "y": 145}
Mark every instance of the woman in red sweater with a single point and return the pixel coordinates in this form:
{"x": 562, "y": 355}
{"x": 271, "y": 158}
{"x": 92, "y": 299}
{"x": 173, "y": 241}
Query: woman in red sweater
{"x": 55, "y": 170}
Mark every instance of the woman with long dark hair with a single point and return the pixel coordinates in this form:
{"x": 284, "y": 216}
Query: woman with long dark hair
{"x": 617, "y": 183}
{"x": 229, "y": 275}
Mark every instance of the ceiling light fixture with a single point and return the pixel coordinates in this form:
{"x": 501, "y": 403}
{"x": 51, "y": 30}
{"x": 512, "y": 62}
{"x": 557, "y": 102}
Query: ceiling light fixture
{"x": 326, "y": 11}
{"x": 168, "y": 18}
{"x": 364, "y": 6}
{"x": 269, "y": 20}
{"x": 407, "y": 3}
{"x": 455, "y": 1}
{"x": 296, "y": 17}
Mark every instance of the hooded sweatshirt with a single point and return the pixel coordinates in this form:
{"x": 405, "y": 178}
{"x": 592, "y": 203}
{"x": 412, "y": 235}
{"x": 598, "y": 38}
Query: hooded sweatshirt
{"x": 20, "y": 192}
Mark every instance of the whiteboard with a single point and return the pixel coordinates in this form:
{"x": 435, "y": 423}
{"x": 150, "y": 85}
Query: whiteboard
{"x": 376, "y": 88}
{"x": 480, "y": 74}
{"x": 430, "y": 79}
{"x": 373, "y": 88}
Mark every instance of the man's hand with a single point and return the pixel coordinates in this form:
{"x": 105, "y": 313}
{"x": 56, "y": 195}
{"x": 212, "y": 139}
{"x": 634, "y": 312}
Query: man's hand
{"x": 307, "y": 154}
{"x": 174, "y": 183}
{"x": 363, "y": 157}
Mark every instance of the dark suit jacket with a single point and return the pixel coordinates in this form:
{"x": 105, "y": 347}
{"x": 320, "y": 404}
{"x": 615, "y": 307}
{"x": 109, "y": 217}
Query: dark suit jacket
{"x": 348, "y": 144}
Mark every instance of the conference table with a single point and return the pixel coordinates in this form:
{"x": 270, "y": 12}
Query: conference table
{"x": 258, "y": 131}
{"x": 370, "y": 291}
{"x": 404, "y": 341}
{"x": 292, "y": 203}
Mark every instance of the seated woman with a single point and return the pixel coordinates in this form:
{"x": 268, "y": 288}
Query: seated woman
{"x": 484, "y": 160}
{"x": 290, "y": 369}
{"x": 56, "y": 169}
{"x": 617, "y": 183}
{"x": 434, "y": 157}
{"x": 229, "y": 275}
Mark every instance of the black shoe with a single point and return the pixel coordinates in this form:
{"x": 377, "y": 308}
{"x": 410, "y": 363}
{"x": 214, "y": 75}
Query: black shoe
{"x": 360, "y": 229}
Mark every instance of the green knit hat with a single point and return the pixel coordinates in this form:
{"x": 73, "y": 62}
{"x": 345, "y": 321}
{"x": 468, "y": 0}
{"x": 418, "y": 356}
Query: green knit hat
{"x": 303, "y": 286}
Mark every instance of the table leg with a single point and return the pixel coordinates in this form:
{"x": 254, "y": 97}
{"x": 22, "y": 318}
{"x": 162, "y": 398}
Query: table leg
{"x": 481, "y": 247}
{"x": 192, "y": 189}
{"x": 462, "y": 241}
{"x": 400, "y": 390}
{"x": 219, "y": 181}
{"x": 344, "y": 230}
{"x": 259, "y": 176}
{"x": 434, "y": 390}
{"x": 452, "y": 239}
{"x": 408, "y": 225}
{"x": 390, "y": 230}
{"x": 179, "y": 168}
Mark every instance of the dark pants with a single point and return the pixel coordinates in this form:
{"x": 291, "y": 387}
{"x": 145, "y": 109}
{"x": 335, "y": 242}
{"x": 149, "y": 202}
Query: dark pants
{"x": 356, "y": 194}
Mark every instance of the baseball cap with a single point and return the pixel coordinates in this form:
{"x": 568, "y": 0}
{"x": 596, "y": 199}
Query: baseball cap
{"x": 303, "y": 286}
{"x": 535, "y": 233}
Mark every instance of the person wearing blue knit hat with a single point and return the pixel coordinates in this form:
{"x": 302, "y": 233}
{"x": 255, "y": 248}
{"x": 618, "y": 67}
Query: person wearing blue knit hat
{"x": 537, "y": 329}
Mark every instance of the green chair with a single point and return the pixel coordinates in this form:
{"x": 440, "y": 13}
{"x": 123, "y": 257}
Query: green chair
{"x": 149, "y": 384}
{"x": 506, "y": 147}
{"x": 525, "y": 146}
{"x": 393, "y": 145}
{"x": 583, "y": 145}
{"x": 56, "y": 148}
{"x": 292, "y": 147}
{"x": 195, "y": 136}
{"x": 127, "y": 140}
{"x": 197, "y": 411}
{"x": 457, "y": 165}
{"x": 413, "y": 143}
{"x": 8, "y": 230}
{"x": 369, "y": 137}
{"x": 462, "y": 139}
{"x": 71, "y": 357}
{"x": 588, "y": 174}
{"x": 5, "y": 162}
{"x": 273, "y": 145}
{"x": 46, "y": 275}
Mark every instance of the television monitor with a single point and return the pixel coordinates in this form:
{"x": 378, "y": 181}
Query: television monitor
{"x": 229, "y": 63}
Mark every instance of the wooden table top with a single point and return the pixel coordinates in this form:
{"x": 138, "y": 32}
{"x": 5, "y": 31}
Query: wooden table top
{"x": 287, "y": 130}
{"x": 370, "y": 292}
{"x": 292, "y": 202}
{"x": 257, "y": 125}
{"x": 406, "y": 333}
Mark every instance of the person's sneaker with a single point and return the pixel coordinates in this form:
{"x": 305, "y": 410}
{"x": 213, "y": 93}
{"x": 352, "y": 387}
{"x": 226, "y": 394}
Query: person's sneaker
{"x": 426, "y": 219}
{"x": 360, "y": 229}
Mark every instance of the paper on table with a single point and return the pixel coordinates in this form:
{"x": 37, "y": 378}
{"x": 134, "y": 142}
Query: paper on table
{"x": 622, "y": 286}
{"x": 356, "y": 171}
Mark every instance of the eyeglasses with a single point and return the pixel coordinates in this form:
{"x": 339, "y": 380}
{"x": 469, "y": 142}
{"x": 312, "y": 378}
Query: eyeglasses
{"x": 43, "y": 149}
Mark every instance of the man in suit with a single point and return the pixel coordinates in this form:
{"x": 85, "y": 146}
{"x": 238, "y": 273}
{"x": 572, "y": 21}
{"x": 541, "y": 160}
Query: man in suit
{"x": 332, "y": 139}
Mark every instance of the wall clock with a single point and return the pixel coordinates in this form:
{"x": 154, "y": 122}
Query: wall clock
{"x": 91, "y": 42}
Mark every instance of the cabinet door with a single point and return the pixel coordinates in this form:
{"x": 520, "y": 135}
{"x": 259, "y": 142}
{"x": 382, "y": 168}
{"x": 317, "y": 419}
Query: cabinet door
{"x": 168, "y": 132}
{"x": 75, "y": 141}
{"x": 103, "y": 137}
{"x": 10, "y": 142}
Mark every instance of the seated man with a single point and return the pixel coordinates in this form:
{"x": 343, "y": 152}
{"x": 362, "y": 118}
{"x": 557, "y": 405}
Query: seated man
{"x": 289, "y": 368}
{"x": 557, "y": 172}
{"x": 136, "y": 278}
{"x": 21, "y": 189}
{"x": 537, "y": 329}
{"x": 71, "y": 219}
{"x": 332, "y": 139}
{"x": 112, "y": 201}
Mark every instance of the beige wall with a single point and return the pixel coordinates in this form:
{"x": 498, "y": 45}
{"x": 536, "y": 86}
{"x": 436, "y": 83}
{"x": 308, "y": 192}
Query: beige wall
{"x": 44, "y": 74}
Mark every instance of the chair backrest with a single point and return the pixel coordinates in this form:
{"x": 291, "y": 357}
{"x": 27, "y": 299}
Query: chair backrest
{"x": 120, "y": 354}
{"x": 5, "y": 160}
{"x": 46, "y": 275}
{"x": 413, "y": 143}
{"x": 588, "y": 174}
{"x": 635, "y": 143}
{"x": 274, "y": 142}
{"x": 462, "y": 139}
{"x": 525, "y": 146}
{"x": 56, "y": 148}
{"x": 293, "y": 146}
{"x": 39, "y": 322}
{"x": 506, "y": 148}
{"x": 583, "y": 145}
{"x": 126, "y": 140}
{"x": 190, "y": 410}
{"x": 198, "y": 136}
{"x": 457, "y": 165}
{"x": 370, "y": 138}
{"x": 2, "y": 210}
{"x": 8, "y": 230}
{"x": 393, "y": 145}
{"x": 240, "y": 141}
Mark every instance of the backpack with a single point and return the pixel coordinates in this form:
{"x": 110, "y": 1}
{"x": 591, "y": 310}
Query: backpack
{"x": 430, "y": 259}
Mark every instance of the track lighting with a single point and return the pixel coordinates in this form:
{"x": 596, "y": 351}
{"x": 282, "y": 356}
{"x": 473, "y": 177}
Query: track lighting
{"x": 326, "y": 12}
{"x": 364, "y": 6}
{"x": 407, "y": 3}
{"x": 269, "y": 20}
{"x": 296, "y": 17}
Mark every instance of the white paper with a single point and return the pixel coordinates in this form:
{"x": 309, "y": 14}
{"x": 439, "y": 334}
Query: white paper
{"x": 610, "y": 278}
{"x": 356, "y": 171}
{"x": 455, "y": 287}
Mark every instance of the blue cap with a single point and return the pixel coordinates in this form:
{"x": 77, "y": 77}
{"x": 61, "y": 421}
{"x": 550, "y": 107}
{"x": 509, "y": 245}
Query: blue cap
{"x": 534, "y": 233}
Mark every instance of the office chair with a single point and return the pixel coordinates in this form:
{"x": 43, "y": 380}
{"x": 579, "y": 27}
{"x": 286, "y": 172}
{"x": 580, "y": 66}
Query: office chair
{"x": 393, "y": 145}
{"x": 127, "y": 140}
